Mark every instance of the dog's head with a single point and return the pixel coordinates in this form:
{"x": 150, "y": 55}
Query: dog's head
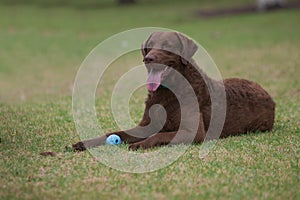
{"x": 163, "y": 51}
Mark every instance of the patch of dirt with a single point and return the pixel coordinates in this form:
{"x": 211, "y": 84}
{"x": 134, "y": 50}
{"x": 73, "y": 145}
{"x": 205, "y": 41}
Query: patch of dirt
{"x": 48, "y": 153}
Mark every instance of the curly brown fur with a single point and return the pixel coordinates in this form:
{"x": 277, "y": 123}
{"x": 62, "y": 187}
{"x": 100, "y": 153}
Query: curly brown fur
{"x": 249, "y": 107}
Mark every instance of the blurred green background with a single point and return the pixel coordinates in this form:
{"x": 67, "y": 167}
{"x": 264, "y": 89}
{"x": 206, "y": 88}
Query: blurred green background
{"x": 44, "y": 42}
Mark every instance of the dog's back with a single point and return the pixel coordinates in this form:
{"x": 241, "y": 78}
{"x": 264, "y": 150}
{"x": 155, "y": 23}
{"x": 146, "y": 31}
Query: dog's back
{"x": 249, "y": 107}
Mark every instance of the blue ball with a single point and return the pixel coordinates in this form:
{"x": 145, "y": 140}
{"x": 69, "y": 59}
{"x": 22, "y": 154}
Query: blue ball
{"x": 113, "y": 140}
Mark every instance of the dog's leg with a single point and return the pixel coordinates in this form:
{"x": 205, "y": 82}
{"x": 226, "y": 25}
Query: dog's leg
{"x": 165, "y": 138}
{"x": 176, "y": 137}
{"x": 85, "y": 144}
{"x": 130, "y": 136}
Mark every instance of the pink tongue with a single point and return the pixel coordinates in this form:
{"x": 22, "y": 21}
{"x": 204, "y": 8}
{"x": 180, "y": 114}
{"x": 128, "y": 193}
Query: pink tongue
{"x": 154, "y": 80}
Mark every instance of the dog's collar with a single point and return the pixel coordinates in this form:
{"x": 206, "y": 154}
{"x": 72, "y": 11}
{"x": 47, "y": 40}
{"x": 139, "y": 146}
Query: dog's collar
{"x": 162, "y": 87}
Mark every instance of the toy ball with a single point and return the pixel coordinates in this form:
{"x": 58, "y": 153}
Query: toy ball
{"x": 113, "y": 140}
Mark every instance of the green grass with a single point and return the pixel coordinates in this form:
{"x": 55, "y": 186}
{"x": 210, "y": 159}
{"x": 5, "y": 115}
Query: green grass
{"x": 41, "y": 49}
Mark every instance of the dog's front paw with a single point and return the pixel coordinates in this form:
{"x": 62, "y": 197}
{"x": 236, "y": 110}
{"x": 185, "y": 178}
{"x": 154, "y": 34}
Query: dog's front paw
{"x": 134, "y": 146}
{"x": 79, "y": 146}
{"x": 140, "y": 145}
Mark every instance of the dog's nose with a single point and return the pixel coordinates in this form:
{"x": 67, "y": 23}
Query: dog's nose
{"x": 149, "y": 58}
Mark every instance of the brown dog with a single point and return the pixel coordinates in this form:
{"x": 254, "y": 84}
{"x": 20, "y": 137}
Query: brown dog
{"x": 248, "y": 106}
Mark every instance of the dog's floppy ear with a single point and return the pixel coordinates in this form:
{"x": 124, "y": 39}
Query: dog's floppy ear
{"x": 188, "y": 48}
{"x": 145, "y": 46}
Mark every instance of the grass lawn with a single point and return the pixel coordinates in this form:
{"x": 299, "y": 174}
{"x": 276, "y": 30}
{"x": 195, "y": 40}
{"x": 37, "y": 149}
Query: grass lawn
{"x": 41, "y": 49}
